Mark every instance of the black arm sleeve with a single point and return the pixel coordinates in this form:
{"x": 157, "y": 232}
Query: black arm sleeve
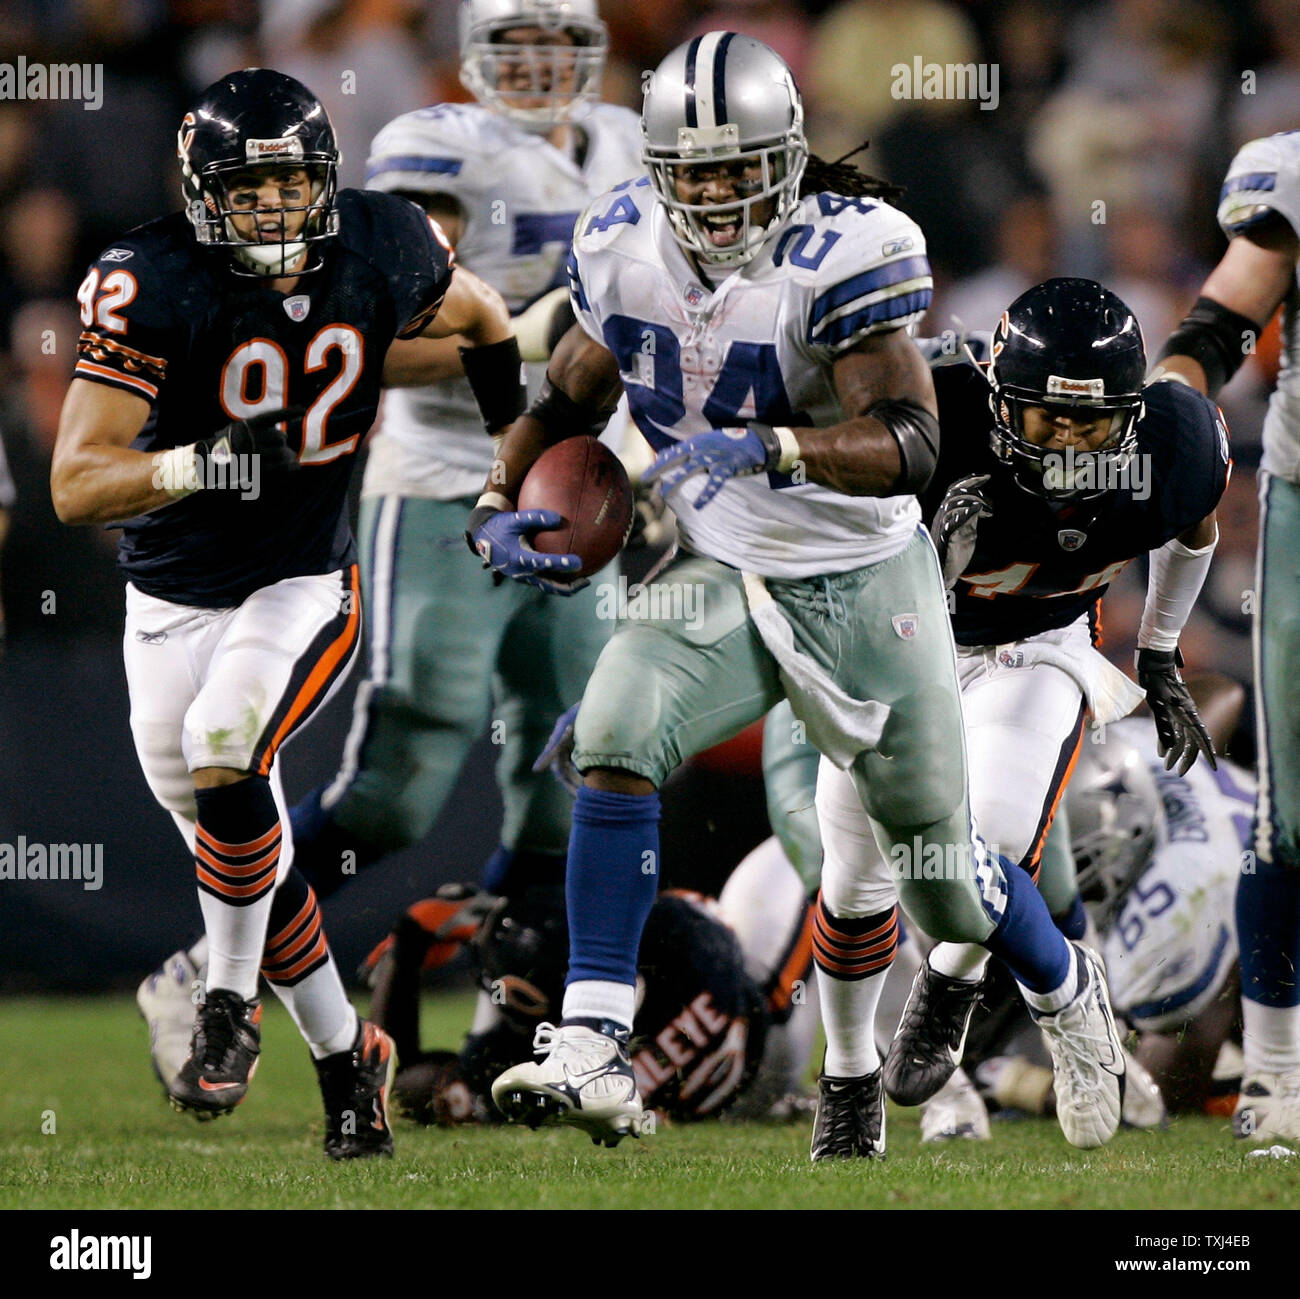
{"x": 1214, "y": 337}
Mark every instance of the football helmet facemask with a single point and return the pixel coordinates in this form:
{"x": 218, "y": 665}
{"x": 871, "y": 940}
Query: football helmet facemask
{"x": 724, "y": 103}
{"x": 247, "y": 122}
{"x": 1072, "y": 344}
{"x": 538, "y": 85}
{"x": 1115, "y": 813}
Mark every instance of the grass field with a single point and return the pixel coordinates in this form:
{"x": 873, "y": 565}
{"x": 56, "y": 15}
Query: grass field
{"x": 82, "y": 1070}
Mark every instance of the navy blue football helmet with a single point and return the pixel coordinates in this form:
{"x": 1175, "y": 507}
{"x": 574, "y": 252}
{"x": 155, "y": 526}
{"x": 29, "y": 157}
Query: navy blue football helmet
{"x": 1067, "y": 343}
{"x": 253, "y": 119}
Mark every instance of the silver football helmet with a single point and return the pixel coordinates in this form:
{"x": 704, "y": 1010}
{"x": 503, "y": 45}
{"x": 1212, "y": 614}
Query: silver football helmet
{"x": 537, "y": 85}
{"x": 1115, "y": 813}
{"x": 722, "y": 99}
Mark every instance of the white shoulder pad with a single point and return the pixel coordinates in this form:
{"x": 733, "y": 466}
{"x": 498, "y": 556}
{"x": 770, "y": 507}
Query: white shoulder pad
{"x": 430, "y": 150}
{"x": 618, "y": 214}
{"x": 870, "y": 271}
{"x": 614, "y": 120}
{"x": 1264, "y": 180}
{"x": 617, "y": 218}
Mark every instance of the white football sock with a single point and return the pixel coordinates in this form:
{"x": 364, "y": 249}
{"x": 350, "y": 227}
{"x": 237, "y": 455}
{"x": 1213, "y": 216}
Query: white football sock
{"x": 965, "y": 961}
{"x": 1270, "y": 1037}
{"x": 321, "y": 1009}
{"x": 849, "y": 1017}
{"x": 1048, "y": 1003}
{"x": 600, "y": 999}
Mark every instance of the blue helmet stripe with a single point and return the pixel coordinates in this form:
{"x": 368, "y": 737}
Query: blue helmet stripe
{"x": 720, "y": 79}
{"x": 692, "y": 118}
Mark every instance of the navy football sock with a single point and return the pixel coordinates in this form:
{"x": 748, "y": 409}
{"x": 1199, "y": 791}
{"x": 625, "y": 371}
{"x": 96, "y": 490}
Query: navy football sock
{"x": 326, "y": 853}
{"x": 1268, "y": 931}
{"x": 1026, "y": 940}
{"x": 1073, "y": 922}
{"x": 612, "y": 879}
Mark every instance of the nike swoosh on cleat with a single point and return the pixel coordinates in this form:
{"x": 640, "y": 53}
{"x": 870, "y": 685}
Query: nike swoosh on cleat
{"x": 206, "y": 1086}
{"x": 581, "y": 1079}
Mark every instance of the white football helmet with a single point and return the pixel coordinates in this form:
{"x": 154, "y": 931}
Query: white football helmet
{"x": 1115, "y": 813}
{"x": 539, "y": 86}
{"x": 721, "y": 98}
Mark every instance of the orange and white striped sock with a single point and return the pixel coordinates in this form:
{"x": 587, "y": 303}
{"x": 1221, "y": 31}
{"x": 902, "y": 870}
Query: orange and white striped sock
{"x": 300, "y": 968}
{"x": 853, "y": 955}
{"x": 236, "y": 857}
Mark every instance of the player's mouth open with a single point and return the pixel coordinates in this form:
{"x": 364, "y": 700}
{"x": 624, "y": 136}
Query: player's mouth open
{"x": 723, "y": 228}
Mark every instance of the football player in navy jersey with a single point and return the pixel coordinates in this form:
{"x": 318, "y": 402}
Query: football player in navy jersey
{"x": 230, "y": 363}
{"x": 1047, "y": 487}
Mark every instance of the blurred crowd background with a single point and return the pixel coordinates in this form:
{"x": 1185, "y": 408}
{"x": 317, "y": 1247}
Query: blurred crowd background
{"x": 1113, "y": 125}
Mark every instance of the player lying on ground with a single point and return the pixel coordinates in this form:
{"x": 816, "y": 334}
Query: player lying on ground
{"x": 1259, "y": 211}
{"x": 757, "y": 320}
{"x": 260, "y": 321}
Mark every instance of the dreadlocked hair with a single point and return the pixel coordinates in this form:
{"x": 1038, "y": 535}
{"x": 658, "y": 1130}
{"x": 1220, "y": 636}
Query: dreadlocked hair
{"x": 842, "y": 177}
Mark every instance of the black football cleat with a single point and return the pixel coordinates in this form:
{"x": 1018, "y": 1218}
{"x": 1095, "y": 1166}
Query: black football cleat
{"x": 931, "y": 1036}
{"x": 354, "y": 1086}
{"x": 224, "y": 1047}
{"x": 850, "y": 1122}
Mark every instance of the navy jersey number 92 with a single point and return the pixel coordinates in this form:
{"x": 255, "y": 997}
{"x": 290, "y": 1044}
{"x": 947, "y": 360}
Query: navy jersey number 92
{"x": 167, "y": 321}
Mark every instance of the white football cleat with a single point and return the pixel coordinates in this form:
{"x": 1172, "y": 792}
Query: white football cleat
{"x": 1143, "y": 1107}
{"x": 585, "y": 1079}
{"x": 1087, "y": 1058}
{"x": 1268, "y": 1108}
{"x": 955, "y": 1112}
{"x": 166, "y": 1001}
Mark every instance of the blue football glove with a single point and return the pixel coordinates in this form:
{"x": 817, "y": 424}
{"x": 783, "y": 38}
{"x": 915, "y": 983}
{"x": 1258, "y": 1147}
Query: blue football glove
{"x": 722, "y": 453}
{"x": 500, "y": 539}
{"x": 558, "y": 754}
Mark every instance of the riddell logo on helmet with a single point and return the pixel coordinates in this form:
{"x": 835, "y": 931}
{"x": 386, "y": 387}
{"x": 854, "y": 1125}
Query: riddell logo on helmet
{"x": 272, "y": 150}
{"x": 1059, "y": 386}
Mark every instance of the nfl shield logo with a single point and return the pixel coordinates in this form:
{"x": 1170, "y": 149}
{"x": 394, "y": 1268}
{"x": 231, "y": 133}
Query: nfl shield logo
{"x": 1071, "y": 538}
{"x": 297, "y": 307}
{"x": 694, "y": 295}
{"x": 1011, "y": 658}
{"x": 905, "y": 625}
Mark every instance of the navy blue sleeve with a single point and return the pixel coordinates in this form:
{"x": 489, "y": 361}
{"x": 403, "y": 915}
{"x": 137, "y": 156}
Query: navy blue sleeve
{"x": 410, "y": 251}
{"x": 1187, "y": 439}
{"x": 128, "y": 327}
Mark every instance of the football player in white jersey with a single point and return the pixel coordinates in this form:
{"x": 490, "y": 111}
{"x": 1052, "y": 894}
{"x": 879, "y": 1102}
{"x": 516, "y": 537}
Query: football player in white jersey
{"x": 506, "y": 179}
{"x": 757, "y": 320}
{"x": 1259, "y": 211}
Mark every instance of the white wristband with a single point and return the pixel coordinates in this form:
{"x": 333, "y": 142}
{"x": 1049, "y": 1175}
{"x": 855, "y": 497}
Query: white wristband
{"x": 1177, "y": 575}
{"x": 496, "y": 501}
{"x": 176, "y": 472}
{"x": 790, "y": 453}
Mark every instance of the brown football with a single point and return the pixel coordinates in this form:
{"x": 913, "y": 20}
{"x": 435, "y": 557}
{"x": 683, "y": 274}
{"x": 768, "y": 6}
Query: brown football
{"x": 582, "y": 480}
